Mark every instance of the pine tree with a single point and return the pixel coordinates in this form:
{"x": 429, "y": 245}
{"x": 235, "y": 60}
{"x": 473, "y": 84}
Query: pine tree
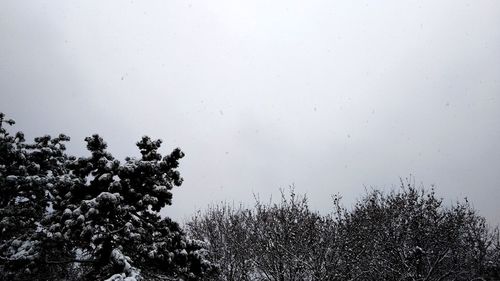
{"x": 91, "y": 217}
{"x": 26, "y": 170}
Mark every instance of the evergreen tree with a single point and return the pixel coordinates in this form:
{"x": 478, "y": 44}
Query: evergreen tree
{"x": 91, "y": 217}
{"x": 26, "y": 172}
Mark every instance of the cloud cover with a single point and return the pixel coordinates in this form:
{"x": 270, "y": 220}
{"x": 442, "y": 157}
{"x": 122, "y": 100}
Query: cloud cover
{"x": 330, "y": 96}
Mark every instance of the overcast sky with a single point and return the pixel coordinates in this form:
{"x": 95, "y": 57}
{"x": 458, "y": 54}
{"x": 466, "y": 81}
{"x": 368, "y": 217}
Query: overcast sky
{"x": 331, "y": 96}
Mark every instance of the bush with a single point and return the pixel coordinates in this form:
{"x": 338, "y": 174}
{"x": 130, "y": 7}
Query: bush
{"x": 407, "y": 234}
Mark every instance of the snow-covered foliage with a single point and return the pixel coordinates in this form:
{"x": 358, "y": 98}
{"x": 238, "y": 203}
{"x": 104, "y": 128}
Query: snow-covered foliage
{"x": 404, "y": 235}
{"x": 129, "y": 273}
{"x": 58, "y": 210}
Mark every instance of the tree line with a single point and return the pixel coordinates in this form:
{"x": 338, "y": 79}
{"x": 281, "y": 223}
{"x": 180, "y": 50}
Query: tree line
{"x": 406, "y": 234}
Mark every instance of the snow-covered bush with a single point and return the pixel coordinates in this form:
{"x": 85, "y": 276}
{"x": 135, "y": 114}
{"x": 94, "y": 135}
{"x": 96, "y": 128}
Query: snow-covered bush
{"x": 407, "y": 234}
{"x": 410, "y": 234}
{"x": 284, "y": 241}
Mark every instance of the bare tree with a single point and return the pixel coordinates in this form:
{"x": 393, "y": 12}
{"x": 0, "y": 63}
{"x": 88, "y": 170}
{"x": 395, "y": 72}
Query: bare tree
{"x": 408, "y": 234}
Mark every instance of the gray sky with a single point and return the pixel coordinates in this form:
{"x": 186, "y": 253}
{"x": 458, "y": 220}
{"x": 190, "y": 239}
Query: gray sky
{"x": 331, "y": 96}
